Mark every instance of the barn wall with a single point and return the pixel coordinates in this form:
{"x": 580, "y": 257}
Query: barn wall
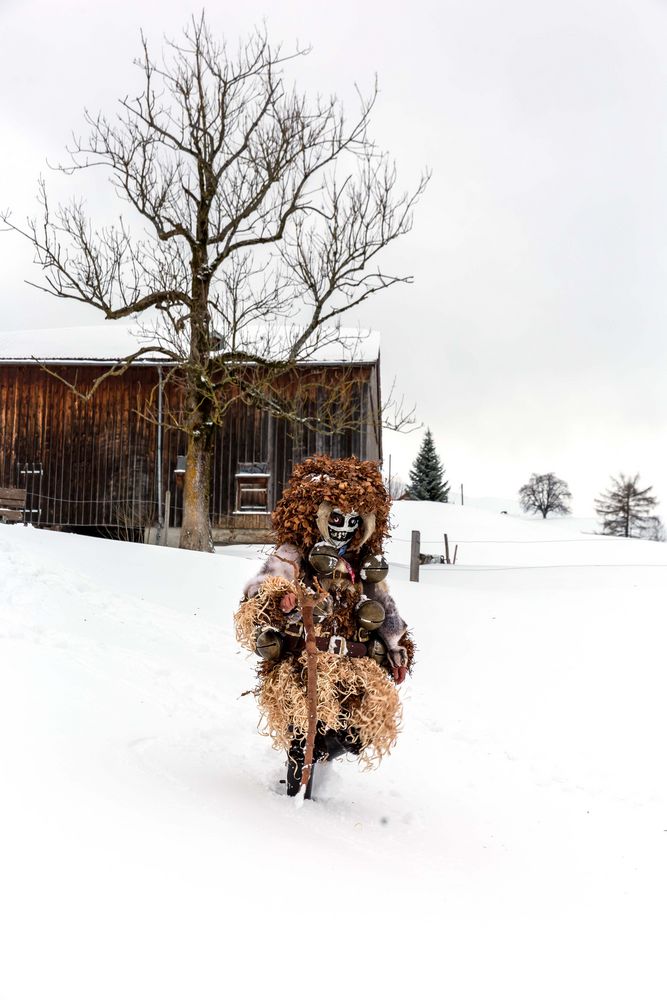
{"x": 94, "y": 464}
{"x": 85, "y": 463}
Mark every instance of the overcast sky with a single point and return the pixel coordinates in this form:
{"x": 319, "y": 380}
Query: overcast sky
{"x": 533, "y": 337}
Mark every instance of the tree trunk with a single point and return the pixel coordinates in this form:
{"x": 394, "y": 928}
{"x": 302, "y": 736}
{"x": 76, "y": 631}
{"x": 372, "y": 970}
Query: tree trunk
{"x": 196, "y": 527}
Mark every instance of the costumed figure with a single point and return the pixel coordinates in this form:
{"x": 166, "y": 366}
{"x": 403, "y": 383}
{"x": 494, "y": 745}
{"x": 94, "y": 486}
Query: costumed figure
{"x": 330, "y": 526}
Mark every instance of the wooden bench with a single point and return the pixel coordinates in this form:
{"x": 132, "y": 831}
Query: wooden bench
{"x": 12, "y": 505}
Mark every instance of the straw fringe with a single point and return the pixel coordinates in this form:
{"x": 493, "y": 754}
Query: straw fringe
{"x": 262, "y": 610}
{"x": 355, "y": 694}
{"x": 352, "y": 693}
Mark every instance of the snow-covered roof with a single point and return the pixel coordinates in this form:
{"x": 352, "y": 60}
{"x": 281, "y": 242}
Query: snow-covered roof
{"x": 110, "y": 342}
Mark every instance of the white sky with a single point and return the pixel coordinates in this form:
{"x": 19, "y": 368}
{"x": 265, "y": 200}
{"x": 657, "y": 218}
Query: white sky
{"x": 532, "y": 339}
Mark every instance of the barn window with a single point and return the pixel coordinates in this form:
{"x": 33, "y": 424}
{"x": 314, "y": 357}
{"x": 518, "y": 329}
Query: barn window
{"x": 252, "y": 488}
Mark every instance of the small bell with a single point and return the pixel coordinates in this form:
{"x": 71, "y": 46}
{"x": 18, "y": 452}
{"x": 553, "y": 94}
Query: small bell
{"x": 323, "y": 558}
{"x": 370, "y": 615}
{"x": 269, "y": 644}
{"x": 374, "y": 569}
{"x": 342, "y": 574}
{"x": 377, "y": 651}
{"x": 323, "y": 609}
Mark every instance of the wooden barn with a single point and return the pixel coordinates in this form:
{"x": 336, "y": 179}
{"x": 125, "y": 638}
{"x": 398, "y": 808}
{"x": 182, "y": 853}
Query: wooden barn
{"x": 113, "y": 465}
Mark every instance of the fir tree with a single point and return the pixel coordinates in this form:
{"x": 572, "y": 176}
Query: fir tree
{"x": 427, "y": 476}
{"x": 627, "y": 510}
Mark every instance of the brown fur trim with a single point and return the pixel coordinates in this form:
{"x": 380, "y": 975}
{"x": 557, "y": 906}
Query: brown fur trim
{"x": 408, "y": 644}
{"x": 322, "y": 520}
{"x": 369, "y": 521}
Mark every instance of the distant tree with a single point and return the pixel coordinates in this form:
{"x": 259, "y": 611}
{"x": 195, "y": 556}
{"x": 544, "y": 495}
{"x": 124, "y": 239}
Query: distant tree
{"x": 396, "y": 487}
{"x": 654, "y": 530}
{"x": 545, "y": 494}
{"x": 626, "y": 510}
{"x": 427, "y": 475}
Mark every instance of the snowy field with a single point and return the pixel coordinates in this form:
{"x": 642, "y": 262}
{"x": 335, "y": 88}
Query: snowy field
{"x": 513, "y": 846}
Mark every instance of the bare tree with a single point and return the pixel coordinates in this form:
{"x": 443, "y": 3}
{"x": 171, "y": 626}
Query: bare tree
{"x": 545, "y": 494}
{"x": 396, "y": 487}
{"x": 626, "y": 510}
{"x": 654, "y": 530}
{"x": 264, "y": 216}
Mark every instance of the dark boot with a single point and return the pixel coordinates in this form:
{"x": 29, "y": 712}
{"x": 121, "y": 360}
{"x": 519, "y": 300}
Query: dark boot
{"x": 329, "y": 744}
{"x": 339, "y": 742}
{"x": 295, "y": 762}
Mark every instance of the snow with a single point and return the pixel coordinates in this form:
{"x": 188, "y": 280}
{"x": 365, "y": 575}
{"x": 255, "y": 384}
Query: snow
{"x": 113, "y": 341}
{"x": 513, "y": 845}
{"x": 108, "y": 342}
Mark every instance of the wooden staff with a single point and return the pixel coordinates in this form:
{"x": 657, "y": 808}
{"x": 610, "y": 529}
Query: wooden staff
{"x": 307, "y": 604}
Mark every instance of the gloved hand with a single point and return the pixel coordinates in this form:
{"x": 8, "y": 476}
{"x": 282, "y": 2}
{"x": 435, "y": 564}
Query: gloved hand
{"x": 288, "y": 602}
{"x": 398, "y": 658}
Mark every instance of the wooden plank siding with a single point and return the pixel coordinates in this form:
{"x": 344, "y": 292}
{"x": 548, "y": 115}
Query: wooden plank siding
{"x": 12, "y": 505}
{"x": 93, "y": 464}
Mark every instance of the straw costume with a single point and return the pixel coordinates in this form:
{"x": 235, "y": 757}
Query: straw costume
{"x": 330, "y": 526}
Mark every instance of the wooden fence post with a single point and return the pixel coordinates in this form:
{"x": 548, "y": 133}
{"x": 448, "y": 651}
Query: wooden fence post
{"x": 447, "y": 560}
{"x": 414, "y": 557}
{"x": 167, "y": 505}
{"x": 456, "y": 549}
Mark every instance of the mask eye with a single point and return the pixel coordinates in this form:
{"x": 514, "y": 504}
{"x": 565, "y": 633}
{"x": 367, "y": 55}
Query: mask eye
{"x": 354, "y": 522}
{"x": 337, "y": 519}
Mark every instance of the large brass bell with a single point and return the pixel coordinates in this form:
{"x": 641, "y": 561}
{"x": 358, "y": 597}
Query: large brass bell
{"x": 374, "y": 569}
{"x": 269, "y": 644}
{"x": 323, "y": 558}
{"x": 370, "y": 615}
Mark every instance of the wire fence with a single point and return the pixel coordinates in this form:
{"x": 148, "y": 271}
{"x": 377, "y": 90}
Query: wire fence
{"x": 131, "y": 516}
{"x": 422, "y": 554}
{"x": 505, "y": 541}
{"x": 122, "y": 516}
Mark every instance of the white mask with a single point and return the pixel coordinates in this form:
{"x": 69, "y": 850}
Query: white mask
{"x": 341, "y": 527}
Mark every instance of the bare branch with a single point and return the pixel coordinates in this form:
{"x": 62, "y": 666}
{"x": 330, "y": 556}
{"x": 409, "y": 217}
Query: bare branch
{"x": 117, "y": 369}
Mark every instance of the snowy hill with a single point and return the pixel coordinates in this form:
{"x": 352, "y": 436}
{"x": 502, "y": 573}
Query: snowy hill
{"x": 514, "y": 845}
